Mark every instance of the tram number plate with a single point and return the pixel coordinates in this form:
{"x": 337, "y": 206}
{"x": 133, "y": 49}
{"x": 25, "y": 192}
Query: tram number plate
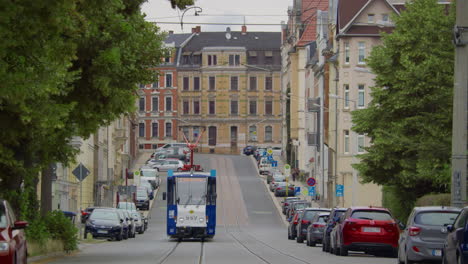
{"x": 191, "y": 218}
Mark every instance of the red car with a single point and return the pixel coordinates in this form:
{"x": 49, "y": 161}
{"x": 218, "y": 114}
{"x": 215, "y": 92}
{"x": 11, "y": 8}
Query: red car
{"x": 369, "y": 229}
{"x": 13, "y": 247}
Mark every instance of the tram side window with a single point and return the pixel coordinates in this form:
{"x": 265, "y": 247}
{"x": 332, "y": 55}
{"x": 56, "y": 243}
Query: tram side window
{"x": 211, "y": 200}
{"x": 170, "y": 191}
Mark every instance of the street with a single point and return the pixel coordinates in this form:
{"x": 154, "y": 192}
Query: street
{"x": 249, "y": 229}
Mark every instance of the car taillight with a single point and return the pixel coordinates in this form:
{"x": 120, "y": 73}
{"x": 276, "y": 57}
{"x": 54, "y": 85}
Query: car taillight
{"x": 414, "y": 231}
{"x": 279, "y": 188}
{"x": 286, "y": 204}
{"x": 350, "y": 225}
{"x": 84, "y": 213}
{"x": 318, "y": 225}
{"x": 305, "y": 222}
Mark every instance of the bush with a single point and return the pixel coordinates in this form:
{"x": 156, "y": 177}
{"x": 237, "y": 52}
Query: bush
{"x": 37, "y": 232}
{"x": 439, "y": 199}
{"x": 400, "y": 201}
{"x": 61, "y": 228}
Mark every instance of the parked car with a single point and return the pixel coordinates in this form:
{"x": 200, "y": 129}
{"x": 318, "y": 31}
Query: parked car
{"x": 277, "y": 151}
{"x": 249, "y": 150}
{"x": 170, "y": 164}
{"x": 164, "y": 149}
{"x": 150, "y": 175}
{"x": 316, "y": 229}
{"x": 285, "y": 203}
{"x": 153, "y": 162}
{"x": 455, "y": 246}
{"x": 369, "y": 229}
{"x": 334, "y": 217}
{"x": 139, "y": 224}
{"x": 130, "y": 222}
{"x": 13, "y": 245}
{"x": 273, "y": 172}
{"x": 276, "y": 179}
{"x": 149, "y": 188}
{"x": 105, "y": 223}
{"x": 425, "y": 234}
{"x": 142, "y": 199}
{"x": 264, "y": 166}
{"x": 304, "y": 221}
{"x": 125, "y": 225}
{"x": 127, "y": 205}
{"x": 292, "y": 231}
{"x": 296, "y": 205}
{"x": 282, "y": 190}
{"x": 86, "y": 213}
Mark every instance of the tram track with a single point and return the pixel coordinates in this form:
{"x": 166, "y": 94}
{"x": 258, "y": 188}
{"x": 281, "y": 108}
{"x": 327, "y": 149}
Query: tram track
{"x": 170, "y": 253}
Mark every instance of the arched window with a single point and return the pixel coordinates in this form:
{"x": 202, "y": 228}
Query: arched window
{"x": 268, "y": 134}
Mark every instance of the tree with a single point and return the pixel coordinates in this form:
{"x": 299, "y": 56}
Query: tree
{"x": 181, "y": 4}
{"x": 409, "y": 119}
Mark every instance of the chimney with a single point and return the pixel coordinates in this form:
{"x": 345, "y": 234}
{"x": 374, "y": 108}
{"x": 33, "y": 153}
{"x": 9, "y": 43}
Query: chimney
{"x": 194, "y": 30}
{"x": 244, "y": 29}
{"x": 171, "y": 32}
{"x": 198, "y": 29}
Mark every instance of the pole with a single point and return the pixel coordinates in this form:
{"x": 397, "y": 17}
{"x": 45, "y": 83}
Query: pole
{"x": 460, "y": 99}
{"x": 81, "y": 196}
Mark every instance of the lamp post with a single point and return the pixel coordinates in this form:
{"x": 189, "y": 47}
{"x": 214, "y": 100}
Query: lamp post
{"x": 355, "y": 150}
{"x": 197, "y": 11}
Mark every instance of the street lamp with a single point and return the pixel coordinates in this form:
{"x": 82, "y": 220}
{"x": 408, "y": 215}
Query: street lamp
{"x": 197, "y": 11}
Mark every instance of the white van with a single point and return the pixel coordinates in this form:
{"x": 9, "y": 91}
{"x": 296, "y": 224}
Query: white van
{"x": 150, "y": 175}
{"x": 264, "y": 166}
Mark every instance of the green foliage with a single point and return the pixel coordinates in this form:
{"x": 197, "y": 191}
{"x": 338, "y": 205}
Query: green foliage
{"x": 399, "y": 201}
{"x": 181, "y": 4}
{"x": 439, "y": 199}
{"x": 410, "y": 117}
{"x": 37, "y": 232}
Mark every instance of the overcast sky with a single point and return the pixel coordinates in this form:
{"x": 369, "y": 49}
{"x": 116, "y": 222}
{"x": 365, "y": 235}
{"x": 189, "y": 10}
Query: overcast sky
{"x": 218, "y": 12}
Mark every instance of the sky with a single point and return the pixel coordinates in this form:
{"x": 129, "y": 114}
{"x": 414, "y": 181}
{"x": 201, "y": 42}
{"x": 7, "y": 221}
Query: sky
{"x": 220, "y": 11}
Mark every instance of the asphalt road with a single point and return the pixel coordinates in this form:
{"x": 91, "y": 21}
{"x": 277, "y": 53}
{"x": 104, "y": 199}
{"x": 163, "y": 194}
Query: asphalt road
{"x": 249, "y": 229}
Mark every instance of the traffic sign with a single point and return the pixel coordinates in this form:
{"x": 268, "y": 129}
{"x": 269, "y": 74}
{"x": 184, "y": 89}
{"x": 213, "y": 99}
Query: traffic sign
{"x": 297, "y": 190}
{"x": 80, "y": 172}
{"x": 311, "y": 181}
{"x": 270, "y": 151}
{"x": 287, "y": 169}
{"x": 274, "y": 163}
{"x": 339, "y": 190}
{"x": 136, "y": 173}
{"x": 312, "y": 191}
{"x": 305, "y": 192}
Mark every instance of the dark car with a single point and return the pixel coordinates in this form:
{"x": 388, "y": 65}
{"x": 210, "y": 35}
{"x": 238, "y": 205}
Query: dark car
{"x": 316, "y": 229}
{"x": 142, "y": 199}
{"x": 372, "y": 230}
{"x": 125, "y": 225}
{"x": 295, "y": 205}
{"x": 425, "y": 234}
{"x": 105, "y": 223}
{"x": 304, "y": 221}
{"x": 285, "y": 203}
{"x": 139, "y": 223}
{"x": 86, "y": 213}
{"x": 130, "y": 222}
{"x": 293, "y": 224}
{"x": 334, "y": 217}
{"x": 249, "y": 150}
{"x": 455, "y": 248}
{"x": 13, "y": 246}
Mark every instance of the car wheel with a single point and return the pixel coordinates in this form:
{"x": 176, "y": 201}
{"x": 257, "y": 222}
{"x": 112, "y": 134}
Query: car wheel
{"x": 299, "y": 239}
{"x": 118, "y": 237}
{"x": 313, "y": 244}
{"x": 307, "y": 242}
{"x": 289, "y": 236}
{"x": 343, "y": 251}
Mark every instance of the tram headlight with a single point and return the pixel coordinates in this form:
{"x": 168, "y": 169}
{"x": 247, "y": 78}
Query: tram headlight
{"x": 201, "y": 219}
{"x": 181, "y": 220}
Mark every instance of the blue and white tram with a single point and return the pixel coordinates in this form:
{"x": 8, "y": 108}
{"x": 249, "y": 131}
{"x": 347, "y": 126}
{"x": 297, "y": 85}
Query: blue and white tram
{"x": 191, "y": 204}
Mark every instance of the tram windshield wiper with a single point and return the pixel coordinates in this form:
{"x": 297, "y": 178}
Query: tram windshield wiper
{"x": 201, "y": 200}
{"x": 188, "y": 200}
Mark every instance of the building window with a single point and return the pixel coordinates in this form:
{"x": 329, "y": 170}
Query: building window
{"x": 362, "y": 53}
{"x": 156, "y": 83}
{"x": 346, "y": 52}
{"x": 212, "y": 81}
{"x": 385, "y": 17}
{"x": 168, "y": 104}
{"x": 154, "y": 131}
{"x": 155, "y": 104}
{"x": 186, "y": 85}
{"x": 234, "y": 60}
{"x": 196, "y": 107}
{"x": 268, "y": 107}
{"x": 196, "y": 83}
{"x": 196, "y": 133}
{"x": 346, "y": 141}
{"x": 168, "y": 129}
{"x": 186, "y": 132}
{"x": 186, "y": 107}
{"x": 253, "y": 107}
{"x": 346, "y": 95}
{"x": 234, "y": 107}
{"x": 268, "y": 57}
{"x": 370, "y": 18}
{"x": 141, "y": 104}
{"x": 268, "y": 134}
{"x": 141, "y": 86}
{"x": 361, "y": 95}
{"x": 252, "y": 133}
{"x": 234, "y": 83}
{"x": 360, "y": 143}
{"x": 209, "y": 60}
{"x": 212, "y": 60}
{"x": 268, "y": 83}
{"x": 141, "y": 129}
{"x": 212, "y": 136}
{"x": 212, "y": 107}
{"x": 253, "y": 83}
{"x": 168, "y": 79}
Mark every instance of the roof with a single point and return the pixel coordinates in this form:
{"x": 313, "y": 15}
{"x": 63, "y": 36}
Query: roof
{"x": 369, "y": 208}
{"x": 250, "y": 41}
{"x": 177, "y": 39}
{"x": 309, "y": 18}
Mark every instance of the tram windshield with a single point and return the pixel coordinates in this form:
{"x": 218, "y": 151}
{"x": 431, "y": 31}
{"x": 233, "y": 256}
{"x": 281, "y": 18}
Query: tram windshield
{"x": 191, "y": 191}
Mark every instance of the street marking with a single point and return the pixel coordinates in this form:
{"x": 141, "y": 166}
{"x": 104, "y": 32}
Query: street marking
{"x": 263, "y": 212}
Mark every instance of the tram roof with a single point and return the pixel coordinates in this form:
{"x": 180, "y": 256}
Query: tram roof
{"x": 212, "y": 173}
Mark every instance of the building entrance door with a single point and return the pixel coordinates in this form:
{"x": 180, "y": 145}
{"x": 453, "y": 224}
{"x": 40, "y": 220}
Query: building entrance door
{"x": 233, "y": 139}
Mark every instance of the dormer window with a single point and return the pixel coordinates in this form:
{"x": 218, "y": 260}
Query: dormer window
{"x": 385, "y": 17}
{"x": 212, "y": 60}
{"x": 234, "y": 60}
{"x": 370, "y": 18}
{"x": 268, "y": 57}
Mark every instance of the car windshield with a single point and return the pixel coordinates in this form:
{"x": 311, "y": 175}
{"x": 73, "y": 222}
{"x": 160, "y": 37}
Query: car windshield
{"x": 126, "y": 205}
{"x": 103, "y": 215}
{"x": 142, "y": 194}
{"x": 300, "y": 205}
{"x": 435, "y": 218}
{"x": 372, "y": 215}
{"x": 279, "y": 178}
{"x": 322, "y": 219}
{"x": 308, "y": 215}
{"x": 191, "y": 191}
{"x": 3, "y": 217}
{"x": 136, "y": 216}
{"x": 149, "y": 173}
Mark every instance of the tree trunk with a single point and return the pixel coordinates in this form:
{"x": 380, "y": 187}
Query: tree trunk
{"x": 46, "y": 190}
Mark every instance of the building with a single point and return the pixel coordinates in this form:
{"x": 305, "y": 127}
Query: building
{"x": 229, "y": 89}
{"x": 158, "y": 101}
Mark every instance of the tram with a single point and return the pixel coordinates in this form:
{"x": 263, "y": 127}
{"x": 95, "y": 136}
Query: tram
{"x": 191, "y": 201}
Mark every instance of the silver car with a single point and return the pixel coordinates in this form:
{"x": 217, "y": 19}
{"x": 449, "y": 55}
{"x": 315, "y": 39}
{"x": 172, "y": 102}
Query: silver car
{"x": 170, "y": 164}
{"x": 274, "y": 183}
{"x": 425, "y": 234}
{"x": 316, "y": 228}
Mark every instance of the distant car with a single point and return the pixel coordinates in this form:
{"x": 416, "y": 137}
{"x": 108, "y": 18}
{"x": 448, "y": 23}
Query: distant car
{"x": 86, "y": 213}
{"x": 13, "y": 246}
{"x": 283, "y": 190}
{"x": 142, "y": 199}
{"x": 455, "y": 246}
{"x": 249, "y": 150}
{"x": 125, "y": 225}
{"x": 127, "y": 205}
{"x": 316, "y": 229}
{"x": 369, "y": 229}
{"x": 151, "y": 175}
{"x": 304, "y": 221}
{"x": 277, "y": 151}
{"x": 264, "y": 166}
{"x": 426, "y": 233}
{"x": 130, "y": 222}
{"x": 170, "y": 164}
{"x": 296, "y": 205}
{"x": 105, "y": 223}
{"x": 286, "y": 202}
{"x": 149, "y": 188}
{"x": 139, "y": 223}
{"x": 292, "y": 231}
{"x": 274, "y": 182}
{"x": 334, "y": 217}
